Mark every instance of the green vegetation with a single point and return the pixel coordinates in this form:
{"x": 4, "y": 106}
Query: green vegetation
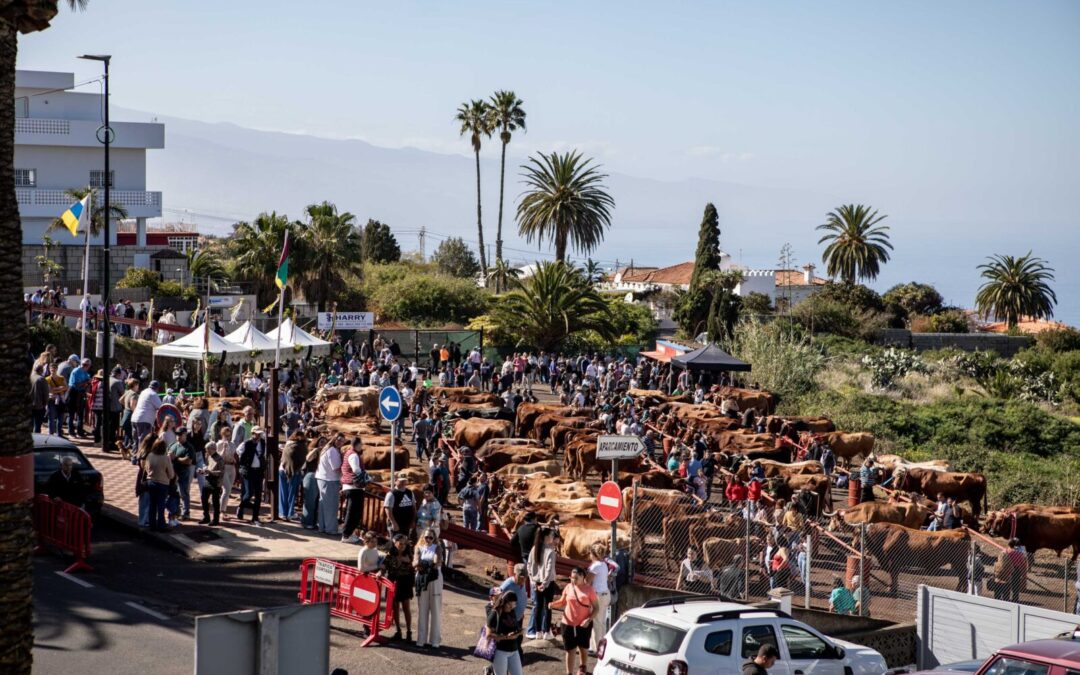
{"x": 454, "y": 257}
{"x": 692, "y": 312}
{"x": 784, "y": 361}
{"x": 565, "y": 202}
{"x": 140, "y": 277}
{"x": 858, "y": 243}
{"x": 379, "y": 244}
{"x": 1016, "y": 287}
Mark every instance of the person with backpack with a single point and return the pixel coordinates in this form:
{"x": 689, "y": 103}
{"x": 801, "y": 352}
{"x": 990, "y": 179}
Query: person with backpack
{"x": 504, "y": 627}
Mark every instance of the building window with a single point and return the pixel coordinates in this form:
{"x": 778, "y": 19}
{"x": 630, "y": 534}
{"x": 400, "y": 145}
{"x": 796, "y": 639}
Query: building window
{"x": 25, "y": 178}
{"x": 22, "y": 106}
{"x": 184, "y": 243}
{"x": 97, "y": 178}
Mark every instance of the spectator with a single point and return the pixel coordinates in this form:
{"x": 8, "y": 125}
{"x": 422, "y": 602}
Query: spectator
{"x": 732, "y": 579}
{"x": 429, "y": 513}
{"x": 867, "y": 480}
{"x": 398, "y": 568}
{"x": 470, "y": 498}
{"x": 328, "y": 476}
{"x": 159, "y": 473}
{"x": 516, "y": 584}
{"x": 760, "y": 664}
{"x": 400, "y": 507}
{"x": 694, "y": 576}
{"x": 58, "y": 389}
{"x": 579, "y": 605}
{"x": 599, "y": 577}
{"x": 310, "y": 516}
{"x": 428, "y": 562}
{"x": 39, "y": 398}
{"x": 252, "y": 466}
{"x": 78, "y": 388}
{"x": 862, "y": 596}
{"x": 353, "y": 480}
{"x": 183, "y": 459}
{"x": 291, "y": 473}
{"x": 504, "y": 627}
{"x": 1010, "y": 573}
{"x": 66, "y": 484}
{"x": 541, "y": 567}
{"x": 228, "y": 466}
{"x": 524, "y": 537}
{"x": 841, "y": 600}
{"x": 212, "y": 473}
{"x": 367, "y": 560}
{"x": 145, "y": 414}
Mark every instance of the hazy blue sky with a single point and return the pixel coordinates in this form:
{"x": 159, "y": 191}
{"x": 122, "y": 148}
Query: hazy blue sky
{"x": 946, "y": 116}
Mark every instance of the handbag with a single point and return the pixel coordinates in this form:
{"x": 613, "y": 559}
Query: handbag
{"x": 485, "y": 646}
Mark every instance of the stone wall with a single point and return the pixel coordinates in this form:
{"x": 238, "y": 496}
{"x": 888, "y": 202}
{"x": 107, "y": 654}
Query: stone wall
{"x": 71, "y": 258}
{"x": 1004, "y": 345}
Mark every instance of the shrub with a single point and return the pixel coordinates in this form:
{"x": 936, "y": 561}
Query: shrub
{"x": 912, "y": 299}
{"x": 430, "y": 300}
{"x": 783, "y": 361}
{"x": 949, "y": 321}
{"x": 888, "y": 367}
{"x": 853, "y": 295}
{"x": 139, "y": 277}
{"x": 757, "y": 303}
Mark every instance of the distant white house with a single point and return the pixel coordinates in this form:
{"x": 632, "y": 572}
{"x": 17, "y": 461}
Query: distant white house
{"x": 653, "y": 286}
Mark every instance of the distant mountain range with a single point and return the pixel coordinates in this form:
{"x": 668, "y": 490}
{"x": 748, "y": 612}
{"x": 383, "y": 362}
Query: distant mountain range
{"x": 216, "y": 174}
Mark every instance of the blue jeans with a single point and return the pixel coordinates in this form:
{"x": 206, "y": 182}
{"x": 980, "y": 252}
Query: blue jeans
{"x": 287, "y": 490}
{"x": 56, "y": 419}
{"x": 144, "y": 509}
{"x": 183, "y": 481}
{"x": 540, "y": 619}
{"x": 159, "y": 494}
{"x": 472, "y": 519}
{"x": 311, "y": 500}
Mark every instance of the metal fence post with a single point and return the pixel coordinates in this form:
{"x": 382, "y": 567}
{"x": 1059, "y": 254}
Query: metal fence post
{"x": 746, "y": 552}
{"x": 863, "y": 585}
{"x": 809, "y": 539}
{"x": 972, "y": 590}
{"x": 633, "y": 532}
{"x": 1065, "y": 585}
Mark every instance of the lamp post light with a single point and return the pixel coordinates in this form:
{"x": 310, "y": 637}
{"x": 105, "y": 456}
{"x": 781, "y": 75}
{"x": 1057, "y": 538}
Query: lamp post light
{"x": 107, "y": 421}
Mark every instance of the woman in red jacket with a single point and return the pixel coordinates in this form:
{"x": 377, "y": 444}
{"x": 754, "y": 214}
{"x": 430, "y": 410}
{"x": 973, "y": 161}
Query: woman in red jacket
{"x": 735, "y": 490}
{"x": 753, "y": 493}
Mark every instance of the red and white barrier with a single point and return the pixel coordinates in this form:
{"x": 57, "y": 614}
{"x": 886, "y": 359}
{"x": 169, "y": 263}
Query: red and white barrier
{"x": 352, "y": 594}
{"x": 64, "y": 526}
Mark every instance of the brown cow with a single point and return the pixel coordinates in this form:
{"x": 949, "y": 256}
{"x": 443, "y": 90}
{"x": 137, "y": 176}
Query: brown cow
{"x": 739, "y": 442}
{"x": 785, "y": 487}
{"x": 762, "y": 402}
{"x": 543, "y": 425}
{"x": 970, "y": 487}
{"x": 850, "y": 446}
{"x": 893, "y": 462}
{"x": 720, "y": 552}
{"x": 653, "y": 505}
{"x": 555, "y": 489}
{"x": 733, "y": 526}
{"x": 676, "y": 532}
{"x": 1037, "y": 529}
{"x": 579, "y": 535}
{"x": 896, "y": 547}
{"x": 377, "y": 457}
{"x": 912, "y": 516}
{"x": 815, "y": 425}
{"x": 527, "y": 414}
{"x": 772, "y": 468}
{"x": 497, "y": 457}
{"x": 476, "y": 431}
{"x": 549, "y": 466}
{"x": 653, "y": 478}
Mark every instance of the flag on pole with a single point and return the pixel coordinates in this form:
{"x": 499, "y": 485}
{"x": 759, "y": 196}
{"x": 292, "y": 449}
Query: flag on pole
{"x": 150, "y": 315}
{"x": 282, "y": 275}
{"x": 77, "y": 214}
{"x": 271, "y": 306}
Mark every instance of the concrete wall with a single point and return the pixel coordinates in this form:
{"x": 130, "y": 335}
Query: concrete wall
{"x": 61, "y": 167}
{"x": 71, "y": 257}
{"x": 1005, "y": 345}
{"x": 758, "y": 281}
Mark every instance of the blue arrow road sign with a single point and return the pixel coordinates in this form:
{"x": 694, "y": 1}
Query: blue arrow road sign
{"x": 389, "y": 404}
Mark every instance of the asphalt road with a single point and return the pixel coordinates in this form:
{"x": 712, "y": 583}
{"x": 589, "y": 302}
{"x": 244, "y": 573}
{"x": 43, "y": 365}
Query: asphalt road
{"x": 135, "y": 613}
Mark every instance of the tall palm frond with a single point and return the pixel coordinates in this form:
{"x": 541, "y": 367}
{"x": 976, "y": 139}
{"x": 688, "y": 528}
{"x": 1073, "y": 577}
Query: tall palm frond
{"x": 858, "y": 245}
{"x": 1016, "y": 287}
{"x": 256, "y": 248}
{"x": 332, "y": 248}
{"x": 476, "y": 121}
{"x": 565, "y": 202}
{"x": 509, "y": 116}
{"x": 502, "y": 275}
{"x": 553, "y": 304}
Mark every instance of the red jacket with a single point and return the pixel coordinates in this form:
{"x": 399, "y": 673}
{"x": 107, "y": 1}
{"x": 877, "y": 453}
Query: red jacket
{"x": 735, "y": 492}
{"x": 753, "y": 493}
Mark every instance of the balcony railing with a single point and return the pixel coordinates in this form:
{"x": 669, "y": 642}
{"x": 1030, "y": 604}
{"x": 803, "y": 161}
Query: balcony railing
{"x": 128, "y": 199}
{"x": 33, "y": 125}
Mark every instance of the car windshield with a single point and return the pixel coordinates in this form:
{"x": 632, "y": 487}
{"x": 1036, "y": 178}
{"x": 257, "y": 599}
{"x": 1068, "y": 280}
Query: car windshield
{"x": 1008, "y": 665}
{"x": 643, "y": 635}
{"x": 48, "y": 459}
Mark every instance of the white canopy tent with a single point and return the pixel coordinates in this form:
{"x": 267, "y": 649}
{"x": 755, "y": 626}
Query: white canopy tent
{"x": 197, "y": 345}
{"x": 297, "y": 339}
{"x": 253, "y": 340}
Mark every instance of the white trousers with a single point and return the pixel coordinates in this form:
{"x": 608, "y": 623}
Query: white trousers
{"x": 228, "y": 477}
{"x": 429, "y": 624}
{"x": 599, "y": 625}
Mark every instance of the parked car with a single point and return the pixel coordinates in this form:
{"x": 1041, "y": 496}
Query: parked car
{"x": 48, "y": 451}
{"x": 690, "y": 635}
{"x": 1054, "y": 656}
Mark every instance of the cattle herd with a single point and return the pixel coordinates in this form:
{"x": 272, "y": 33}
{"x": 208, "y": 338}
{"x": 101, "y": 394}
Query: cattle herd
{"x": 541, "y": 457}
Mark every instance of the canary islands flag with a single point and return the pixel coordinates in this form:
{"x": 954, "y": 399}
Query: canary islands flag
{"x": 282, "y": 275}
{"x": 76, "y": 214}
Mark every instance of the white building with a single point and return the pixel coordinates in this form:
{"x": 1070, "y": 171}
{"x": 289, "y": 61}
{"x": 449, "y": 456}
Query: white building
{"x": 794, "y": 286}
{"x": 57, "y": 148}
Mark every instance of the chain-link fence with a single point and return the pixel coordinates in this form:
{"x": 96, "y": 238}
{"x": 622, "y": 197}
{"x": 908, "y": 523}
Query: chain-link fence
{"x": 742, "y": 550}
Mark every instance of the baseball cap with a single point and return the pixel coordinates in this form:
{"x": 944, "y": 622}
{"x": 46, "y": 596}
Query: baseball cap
{"x": 74, "y": 358}
{"x": 256, "y": 430}
{"x": 154, "y": 384}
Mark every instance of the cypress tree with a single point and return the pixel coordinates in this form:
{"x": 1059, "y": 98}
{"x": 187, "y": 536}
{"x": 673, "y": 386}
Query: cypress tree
{"x": 707, "y": 257}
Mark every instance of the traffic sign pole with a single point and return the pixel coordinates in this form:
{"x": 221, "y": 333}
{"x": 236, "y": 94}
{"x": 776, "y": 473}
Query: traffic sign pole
{"x": 393, "y": 435}
{"x": 614, "y": 529}
{"x": 390, "y": 409}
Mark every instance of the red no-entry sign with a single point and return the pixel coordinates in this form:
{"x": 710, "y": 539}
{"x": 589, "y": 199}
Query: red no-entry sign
{"x": 609, "y": 501}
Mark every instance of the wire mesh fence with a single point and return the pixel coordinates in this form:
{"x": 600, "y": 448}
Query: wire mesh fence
{"x": 743, "y": 550}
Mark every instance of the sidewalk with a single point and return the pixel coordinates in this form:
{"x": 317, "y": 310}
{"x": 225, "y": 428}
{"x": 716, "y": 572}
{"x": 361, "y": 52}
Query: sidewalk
{"x": 233, "y": 540}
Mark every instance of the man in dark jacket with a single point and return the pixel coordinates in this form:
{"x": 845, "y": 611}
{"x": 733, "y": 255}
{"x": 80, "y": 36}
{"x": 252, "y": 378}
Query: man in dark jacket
{"x": 760, "y": 664}
{"x": 39, "y": 398}
{"x": 253, "y": 460}
{"x": 66, "y": 483}
{"x": 525, "y": 536}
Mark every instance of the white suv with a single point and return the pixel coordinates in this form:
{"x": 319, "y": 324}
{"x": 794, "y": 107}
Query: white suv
{"x": 691, "y": 635}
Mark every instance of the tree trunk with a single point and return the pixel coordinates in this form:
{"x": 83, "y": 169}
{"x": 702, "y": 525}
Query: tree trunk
{"x": 479, "y": 221}
{"x": 560, "y": 245}
{"x": 16, "y": 528}
{"x": 498, "y": 230}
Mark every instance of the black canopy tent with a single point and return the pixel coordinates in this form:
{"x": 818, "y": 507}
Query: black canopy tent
{"x": 708, "y": 360}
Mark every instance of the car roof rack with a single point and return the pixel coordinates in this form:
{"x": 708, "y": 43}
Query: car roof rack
{"x": 683, "y": 599}
{"x": 709, "y": 617}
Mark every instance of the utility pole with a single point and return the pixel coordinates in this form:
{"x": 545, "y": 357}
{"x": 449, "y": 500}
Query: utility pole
{"x": 422, "y": 236}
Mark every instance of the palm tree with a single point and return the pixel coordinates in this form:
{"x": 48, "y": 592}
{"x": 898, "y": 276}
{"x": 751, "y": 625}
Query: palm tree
{"x": 565, "y": 202}
{"x": 592, "y": 270}
{"x": 476, "y": 121}
{"x": 203, "y": 265}
{"x": 858, "y": 245}
{"x": 332, "y": 249}
{"x": 256, "y": 248}
{"x": 97, "y": 212}
{"x": 551, "y": 305}
{"x": 509, "y": 117}
{"x": 502, "y": 275}
{"x": 17, "y": 631}
{"x": 1016, "y": 287}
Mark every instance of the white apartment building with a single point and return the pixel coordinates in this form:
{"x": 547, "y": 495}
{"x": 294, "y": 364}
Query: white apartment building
{"x": 57, "y": 148}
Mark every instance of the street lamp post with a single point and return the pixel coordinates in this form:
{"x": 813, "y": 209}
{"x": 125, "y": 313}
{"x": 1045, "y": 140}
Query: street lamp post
{"x": 106, "y": 421}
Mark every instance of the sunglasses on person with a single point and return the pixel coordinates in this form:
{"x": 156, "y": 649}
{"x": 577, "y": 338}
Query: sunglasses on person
{"x": 429, "y": 538}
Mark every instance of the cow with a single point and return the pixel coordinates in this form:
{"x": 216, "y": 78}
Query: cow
{"x": 891, "y": 463}
{"x": 653, "y": 478}
{"x": 651, "y": 506}
{"x": 527, "y": 413}
{"x": 543, "y": 425}
{"x": 473, "y": 433}
{"x": 493, "y": 458}
{"x": 849, "y": 445}
{"x": 740, "y": 442}
{"x": 731, "y": 527}
{"x": 375, "y": 457}
{"x": 786, "y": 488}
{"x": 553, "y": 489}
{"x": 676, "y": 532}
{"x": 809, "y": 467}
{"x": 584, "y": 449}
{"x": 970, "y": 487}
{"x": 549, "y": 467}
{"x": 367, "y": 399}
{"x": 762, "y": 402}
{"x": 816, "y": 425}
{"x": 912, "y": 516}
{"x": 415, "y": 476}
{"x": 719, "y": 552}
{"x": 1037, "y": 529}
{"x": 563, "y": 433}
{"x": 579, "y": 535}
{"x": 895, "y": 546}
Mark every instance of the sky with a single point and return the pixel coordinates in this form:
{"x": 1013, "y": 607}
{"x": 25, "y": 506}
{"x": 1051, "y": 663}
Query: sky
{"x": 955, "y": 118}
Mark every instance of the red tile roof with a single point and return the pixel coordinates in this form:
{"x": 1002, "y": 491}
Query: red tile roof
{"x": 796, "y": 278}
{"x": 675, "y": 275}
